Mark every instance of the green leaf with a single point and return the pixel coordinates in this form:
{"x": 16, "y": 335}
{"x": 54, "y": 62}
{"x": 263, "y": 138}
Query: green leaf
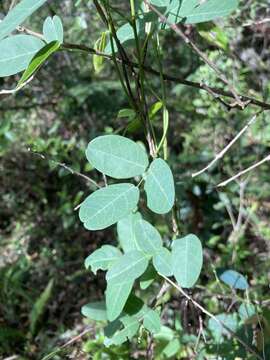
{"x": 126, "y": 113}
{"x": 117, "y": 156}
{"x": 154, "y": 109}
{"x": 38, "y": 60}
{"x": 95, "y": 311}
{"x": 159, "y": 187}
{"x": 108, "y": 205}
{"x": 40, "y": 306}
{"x": 246, "y": 311}
{"x": 102, "y": 258}
{"x": 172, "y": 348}
{"x": 147, "y": 277}
{"x": 162, "y": 262}
{"x": 127, "y": 268}
{"x": 16, "y": 53}
{"x": 147, "y": 237}
{"x": 131, "y": 326}
{"x": 151, "y": 321}
{"x": 98, "y": 61}
{"x": 116, "y": 296}
{"x": 17, "y": 15}
{"x": 53, "y": 29}
{"x": 187, "y": 259}
{"x": 125, "y": 232}
{"x": 233, "y": 279}
{"x": 217, "y": 330}
{"x": 195, "y": 11}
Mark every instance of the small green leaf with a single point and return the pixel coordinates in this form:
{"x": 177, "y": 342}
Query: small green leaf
{"x": 117, "y": 156}
{"x": 98, "y": 61}
{"x": 159, "y": 187}
{"x": 95, "y": 311}
{"x": 16, "y": 53}
{"x": 125, "y": 232}
{"x": 154, "y": 109}
{"x": 17, "y": 15}
{"x": 127, "y": 268}
{"x": 39, "y": 307}
{"x": 151, "y": 321}
{"x": 102, "y": 258}
{"x": 233, "y": 279}
{"x": 217, "y": 330}
{"x": 246, "y": 311}
{"x": 53, "y": 29}
{"x": 187, "y": 259}
{"x": 147, "y": 237}
{"x": 162, "y": 262}
{"x": 116, "y": 296}
{"x": 38, "y": 60}
{"x": 126, "y": 113}
{"x": 108, "y": 205}
{"x": 131, "y": 326}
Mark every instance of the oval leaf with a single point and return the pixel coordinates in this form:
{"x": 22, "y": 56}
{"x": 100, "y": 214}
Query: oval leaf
{"x": 102, "y": 258}
{"x": 116, "y": 297}
{"x": 159, "y": 187}
{"x": 125, "y": 232}
{"x": 37, "y": 61}
{"x": 95, "y": 311}
{"x": 187, "y": 259}
{"x": 117, "y": 156}
{"x": 127, "y": 268}
{"x": 147, "y": 237}
{"x": 53, "y": 29}
{"x": 17, "y": 15}
{"x": 16, "y": 53}
{"x": 233, "y": 279}
{"x": 108, "y": 205}
{"x": 152, "y": 321}
{"x": 162, "y": 262}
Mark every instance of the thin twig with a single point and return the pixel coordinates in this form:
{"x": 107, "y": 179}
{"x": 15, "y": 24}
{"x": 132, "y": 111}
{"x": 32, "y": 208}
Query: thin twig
{"x": 258, "y": 22}
{"x": 66, "y": 167}
{"x": 13, "y": 91}
{"x": 243, "y": 172}
{"x": 231, "y": 143}
{"x": 212, "y": 316}
{"x": 213, "y": 91}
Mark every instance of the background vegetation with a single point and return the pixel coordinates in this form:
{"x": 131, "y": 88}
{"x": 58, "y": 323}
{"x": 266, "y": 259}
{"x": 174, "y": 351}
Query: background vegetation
{"x": 43, "y": 283}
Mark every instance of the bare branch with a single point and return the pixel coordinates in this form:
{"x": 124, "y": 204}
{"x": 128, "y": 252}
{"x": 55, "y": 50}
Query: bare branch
{"x": 243, "y": 172}
{"x": 213, "y": 91}
{"x": 200, "y": 53}
{"x": 212, "y": 316}
{"x": 223, "y": 152}
{"x": 68, "y": 168}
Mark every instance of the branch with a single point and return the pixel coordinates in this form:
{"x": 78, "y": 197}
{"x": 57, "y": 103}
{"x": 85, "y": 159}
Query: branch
{"x": 64, "y": 166}
{"x": 223, "y": 152}
{"x": 213, "y": 91}
{"x": 243, "y": 172}
{"x": 212, "y": 316}
{"x": 200, "y": 53}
